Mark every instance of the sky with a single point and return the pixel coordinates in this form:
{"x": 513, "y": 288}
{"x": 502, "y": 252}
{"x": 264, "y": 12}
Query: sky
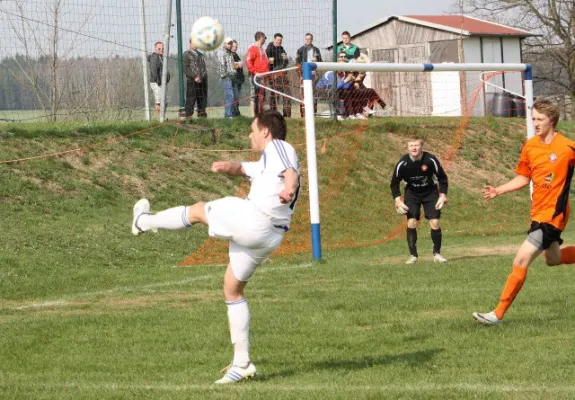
{"x": 354, "y": 19}
{"x": 108, "y": 28}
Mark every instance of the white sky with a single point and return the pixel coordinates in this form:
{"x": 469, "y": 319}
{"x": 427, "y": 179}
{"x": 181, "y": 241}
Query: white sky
{"x": 353, "y": 18}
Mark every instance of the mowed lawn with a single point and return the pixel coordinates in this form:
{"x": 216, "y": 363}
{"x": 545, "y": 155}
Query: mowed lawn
{"x": 359, "y": 325}
{"x": 88, "y": 311}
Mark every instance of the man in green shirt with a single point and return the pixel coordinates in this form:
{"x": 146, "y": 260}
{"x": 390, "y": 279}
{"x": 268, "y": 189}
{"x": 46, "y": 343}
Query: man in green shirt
{"x": 351, "y": 50}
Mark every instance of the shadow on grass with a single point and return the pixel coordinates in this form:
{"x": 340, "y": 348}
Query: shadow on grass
{"x": 416, "y": 358}
{"x": 412, "y": 358}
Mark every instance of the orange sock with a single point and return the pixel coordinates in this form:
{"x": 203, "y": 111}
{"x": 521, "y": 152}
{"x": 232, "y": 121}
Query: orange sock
{"x": 513, "y": 285}
{"x": 568, "y": 255}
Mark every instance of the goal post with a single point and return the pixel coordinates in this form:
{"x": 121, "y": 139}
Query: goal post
{"x": 308, "y": 69}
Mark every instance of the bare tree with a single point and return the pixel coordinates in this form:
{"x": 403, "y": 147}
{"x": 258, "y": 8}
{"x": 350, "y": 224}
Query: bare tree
{"x": 45, "y": 43}
{"x": 553, "y": 51}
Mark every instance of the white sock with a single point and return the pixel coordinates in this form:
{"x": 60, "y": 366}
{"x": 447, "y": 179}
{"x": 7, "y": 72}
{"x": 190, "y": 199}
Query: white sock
{"x": 172, "y": 218}
{"x": 239, "y": 319}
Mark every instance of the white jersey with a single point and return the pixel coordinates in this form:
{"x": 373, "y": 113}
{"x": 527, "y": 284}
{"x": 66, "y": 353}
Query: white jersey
{"x": 267, "y": 181}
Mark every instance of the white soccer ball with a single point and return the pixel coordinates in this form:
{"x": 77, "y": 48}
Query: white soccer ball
{"x": 207, "y": 34}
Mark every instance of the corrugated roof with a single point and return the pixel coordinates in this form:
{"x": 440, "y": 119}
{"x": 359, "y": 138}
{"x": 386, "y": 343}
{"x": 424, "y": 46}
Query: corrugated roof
{"x": 460, "y": 24}
{"x": 467, "y": 25}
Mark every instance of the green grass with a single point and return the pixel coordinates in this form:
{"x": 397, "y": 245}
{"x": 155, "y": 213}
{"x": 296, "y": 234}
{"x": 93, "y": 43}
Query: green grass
{"x": 88, "y": 311}
{"x": 35, "y": 116}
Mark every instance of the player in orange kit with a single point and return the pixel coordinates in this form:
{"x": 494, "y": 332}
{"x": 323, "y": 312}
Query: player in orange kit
{"x": 548, "y": 159}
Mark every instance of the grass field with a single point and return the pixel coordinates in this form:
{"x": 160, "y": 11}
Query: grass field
{"x": 88, "y": 311}
{"x": 35, "y": 116}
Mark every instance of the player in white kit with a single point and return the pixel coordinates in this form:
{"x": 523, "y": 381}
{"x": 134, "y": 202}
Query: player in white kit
{"x": 254, "y": 226}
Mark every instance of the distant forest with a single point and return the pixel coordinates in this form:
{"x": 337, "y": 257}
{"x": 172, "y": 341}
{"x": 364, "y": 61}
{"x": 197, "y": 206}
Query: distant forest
{"x": 88, "y": 85}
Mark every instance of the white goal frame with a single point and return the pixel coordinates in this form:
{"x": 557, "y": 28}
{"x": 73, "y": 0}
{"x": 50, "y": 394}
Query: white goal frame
{"x": 307, "y": 70}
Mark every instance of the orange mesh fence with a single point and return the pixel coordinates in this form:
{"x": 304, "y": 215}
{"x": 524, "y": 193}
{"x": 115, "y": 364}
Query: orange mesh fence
{"x": 356, "y": 155}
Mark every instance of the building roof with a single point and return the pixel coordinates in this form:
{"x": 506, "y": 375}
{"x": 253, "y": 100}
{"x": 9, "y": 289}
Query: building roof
{"x": 461, "y": 24}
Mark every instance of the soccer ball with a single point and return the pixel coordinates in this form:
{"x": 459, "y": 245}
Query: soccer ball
{"x": 207, "y": 34}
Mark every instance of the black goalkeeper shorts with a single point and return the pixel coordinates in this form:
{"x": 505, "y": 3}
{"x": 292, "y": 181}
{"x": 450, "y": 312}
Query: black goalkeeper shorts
{"x": 415, "y": 200}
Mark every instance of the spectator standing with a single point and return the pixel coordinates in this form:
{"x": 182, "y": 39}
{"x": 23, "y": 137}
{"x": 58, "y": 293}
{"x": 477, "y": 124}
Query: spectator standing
{"x": 240, "y": 76}
{"x": 156, "y": 60}
{"x": 278, "y": 60}
{"x": 227, "y": 72}
{"x": 308, "y": 53}
{"x": 257, "y": 62}
{"x": 197, "y": 81}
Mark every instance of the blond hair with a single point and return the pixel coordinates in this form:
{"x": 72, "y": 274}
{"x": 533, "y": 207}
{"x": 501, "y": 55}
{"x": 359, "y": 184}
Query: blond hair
{"x": 549, "y": 109}
{"x": 415, "y": 138}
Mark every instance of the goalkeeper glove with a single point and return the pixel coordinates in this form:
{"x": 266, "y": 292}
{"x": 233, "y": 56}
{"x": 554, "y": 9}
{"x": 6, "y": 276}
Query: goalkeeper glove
{"x": 441, "y": 201}
{"x": 400, "y": 206}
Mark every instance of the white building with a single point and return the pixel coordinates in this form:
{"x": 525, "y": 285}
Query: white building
{"x": 440, "y": 39}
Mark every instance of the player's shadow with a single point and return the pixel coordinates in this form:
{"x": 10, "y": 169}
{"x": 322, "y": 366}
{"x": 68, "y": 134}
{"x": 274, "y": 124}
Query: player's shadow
{"x": 282, "y": 373}
{"x": 415, "y": 358}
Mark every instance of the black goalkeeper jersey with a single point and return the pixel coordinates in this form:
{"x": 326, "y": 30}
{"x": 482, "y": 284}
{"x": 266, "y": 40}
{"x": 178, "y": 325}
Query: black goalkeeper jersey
{"x": 420, "y": 176}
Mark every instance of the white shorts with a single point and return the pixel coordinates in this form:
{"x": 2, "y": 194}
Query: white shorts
{"x": 157, "y": 94}
{"x": 252, "y": 236}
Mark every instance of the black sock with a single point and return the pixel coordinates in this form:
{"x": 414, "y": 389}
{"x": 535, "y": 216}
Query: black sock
{"x": 436, "y": 238}
{"x": 412, "y": 241}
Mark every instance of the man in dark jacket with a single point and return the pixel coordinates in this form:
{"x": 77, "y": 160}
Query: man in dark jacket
{"x": 278, "y": 59}
{"x": 197, "y": 81}
{"x": 240, "y": 76}
{"x": 156, "y": 60}
{"x": 308, "y": 53}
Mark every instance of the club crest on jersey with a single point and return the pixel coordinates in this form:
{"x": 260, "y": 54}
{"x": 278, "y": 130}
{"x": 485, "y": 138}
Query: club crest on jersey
{"x": 552, "y": 157}
{"x": 424, "y": 168}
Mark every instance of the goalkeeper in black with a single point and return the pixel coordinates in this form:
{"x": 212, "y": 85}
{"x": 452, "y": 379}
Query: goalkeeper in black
{"x": 425, "y": 185}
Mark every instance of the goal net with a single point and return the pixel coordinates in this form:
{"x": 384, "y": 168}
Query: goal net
{"x": 472, "y": 117}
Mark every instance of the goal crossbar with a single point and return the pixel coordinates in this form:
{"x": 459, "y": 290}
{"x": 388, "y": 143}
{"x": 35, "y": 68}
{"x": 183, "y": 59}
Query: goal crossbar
{"x": 392, "y": 67}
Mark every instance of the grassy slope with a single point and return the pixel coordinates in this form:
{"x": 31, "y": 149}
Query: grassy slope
{"x": 88, "y": 311}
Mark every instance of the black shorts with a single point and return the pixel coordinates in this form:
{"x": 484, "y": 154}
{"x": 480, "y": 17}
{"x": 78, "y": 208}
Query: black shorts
{"x": 415, "y": 200}
{"x": 542, "y": 235}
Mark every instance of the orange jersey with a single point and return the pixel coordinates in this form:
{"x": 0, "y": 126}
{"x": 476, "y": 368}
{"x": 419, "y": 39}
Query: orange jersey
{"x": 550, "y": 168}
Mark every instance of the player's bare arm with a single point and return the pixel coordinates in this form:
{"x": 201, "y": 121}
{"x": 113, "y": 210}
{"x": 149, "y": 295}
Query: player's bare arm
{"x": 517, "y": 183}
{"x": 233, "y": 168}
{"x": 291, "y": 180}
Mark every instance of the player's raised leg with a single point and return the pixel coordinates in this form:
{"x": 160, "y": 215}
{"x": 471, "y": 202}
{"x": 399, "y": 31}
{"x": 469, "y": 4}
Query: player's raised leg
{"x": 171, "y": 218}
